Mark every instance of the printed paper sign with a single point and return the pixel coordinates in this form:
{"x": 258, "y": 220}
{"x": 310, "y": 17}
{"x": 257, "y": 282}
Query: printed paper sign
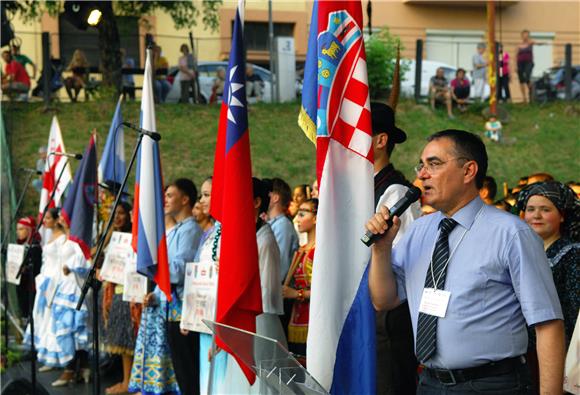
{"x": 199, "y": 295}
{"x": 119, "y": 253}
{"x": 14, "y": 258}
{"x": 135, "y": 285}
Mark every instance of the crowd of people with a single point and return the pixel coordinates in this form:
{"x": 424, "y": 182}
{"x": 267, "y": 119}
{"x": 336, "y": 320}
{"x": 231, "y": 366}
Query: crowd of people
{"x": 16, "y": 81}
{"x": 460, "y": 90}
{"x": 522, "y": 248}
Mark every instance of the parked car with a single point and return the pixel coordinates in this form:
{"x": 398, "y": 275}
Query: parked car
{"x": 428, "y": 69}
{"x": 207, "y": 74}
{"x": 551, "y": 85}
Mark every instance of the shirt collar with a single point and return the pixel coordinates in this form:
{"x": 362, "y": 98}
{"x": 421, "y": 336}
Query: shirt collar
{"x": 276, "y": 218}
{"x": 179, "y": 224}
{"x": 466, "y": 215}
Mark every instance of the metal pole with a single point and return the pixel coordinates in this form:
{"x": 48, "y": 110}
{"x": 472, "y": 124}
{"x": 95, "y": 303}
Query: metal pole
{"x": 418, "y": 69}
{"x": 271, "y": 49}
{"x": 47, "y": 68}
{"x": 196, "y": 80}
{"x": 568, "y": 71}
{"x": 492, "y": 64}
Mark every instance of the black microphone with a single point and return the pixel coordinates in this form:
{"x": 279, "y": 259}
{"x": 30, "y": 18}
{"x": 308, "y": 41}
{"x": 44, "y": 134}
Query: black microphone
{"x": 75, "y": 156}
{"x": 29, "y": 170}
{"x": 412, "y": 195}
{"x": 154, "y": 135}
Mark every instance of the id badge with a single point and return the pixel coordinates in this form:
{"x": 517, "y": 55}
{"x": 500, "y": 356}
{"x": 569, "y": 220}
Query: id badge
{"x": 434, "y": 302}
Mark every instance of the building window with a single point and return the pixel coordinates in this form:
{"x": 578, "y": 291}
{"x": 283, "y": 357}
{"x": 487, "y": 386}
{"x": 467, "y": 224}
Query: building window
{"x": 256, "y": 34}
{"x": 71, "y": 39}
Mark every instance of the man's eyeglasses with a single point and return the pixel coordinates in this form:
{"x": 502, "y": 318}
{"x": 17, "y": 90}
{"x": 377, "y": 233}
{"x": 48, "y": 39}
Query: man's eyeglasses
{"x": 435, "y": 165}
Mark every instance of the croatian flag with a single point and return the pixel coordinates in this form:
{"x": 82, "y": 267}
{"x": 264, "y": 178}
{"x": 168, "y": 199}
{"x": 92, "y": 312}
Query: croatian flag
{"x": 148, "y": 216}
{"x": 112, "y": 164}
{"x": 239, "y": 295}
{"x": 336, "y": 111}
{"x": 79, "y": 207}
{"x": 53, "y": 167}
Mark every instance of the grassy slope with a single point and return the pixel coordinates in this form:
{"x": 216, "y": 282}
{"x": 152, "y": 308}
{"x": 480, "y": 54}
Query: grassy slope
{"x": 540, "y": 138}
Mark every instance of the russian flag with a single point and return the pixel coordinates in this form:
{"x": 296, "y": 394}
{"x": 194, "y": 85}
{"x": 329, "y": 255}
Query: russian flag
{"x": 112, "y": 164}
{"x": 79, "y": 207}
{"x": 336, "y": 111}
{"x": 239, "y": 294}
{"x": 148, "y": 216}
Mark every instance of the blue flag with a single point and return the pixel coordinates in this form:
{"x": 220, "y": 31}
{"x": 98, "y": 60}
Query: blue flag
{"x": 112, "y": 164}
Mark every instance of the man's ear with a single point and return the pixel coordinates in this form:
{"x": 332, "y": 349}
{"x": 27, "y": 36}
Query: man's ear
{"x": 382, "y": 140}
{"x": 470, "y": 171}
{"x": 257, "y": 202}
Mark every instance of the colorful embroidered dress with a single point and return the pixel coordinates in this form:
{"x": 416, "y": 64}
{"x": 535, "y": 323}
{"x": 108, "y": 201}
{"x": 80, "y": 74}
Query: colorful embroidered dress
{"x": 301, "y": 280}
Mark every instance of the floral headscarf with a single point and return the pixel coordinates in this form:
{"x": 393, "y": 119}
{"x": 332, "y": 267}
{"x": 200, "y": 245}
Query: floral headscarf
{"x": 563, "y": 198}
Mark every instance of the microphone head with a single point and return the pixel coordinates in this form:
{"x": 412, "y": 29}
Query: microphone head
{"x": 80, "y": 156}
{"x": 413, "y": 193}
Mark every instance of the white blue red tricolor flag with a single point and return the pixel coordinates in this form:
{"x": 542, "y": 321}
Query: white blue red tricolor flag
{"x": 239, "y": 295}
{"x": 79, "y": 207}
{"x": 336, "y": 114}
{"x": 148, "y": 216}
{"x": 112, "y": 164}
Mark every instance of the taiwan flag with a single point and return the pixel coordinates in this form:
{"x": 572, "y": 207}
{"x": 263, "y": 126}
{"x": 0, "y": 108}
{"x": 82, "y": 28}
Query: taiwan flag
{"x": 239, "y": 295}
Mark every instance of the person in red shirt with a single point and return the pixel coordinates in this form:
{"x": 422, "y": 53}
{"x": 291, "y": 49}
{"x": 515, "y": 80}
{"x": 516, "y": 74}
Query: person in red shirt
{"x": 460, "y": 90}
{"x": 16, "y": 79}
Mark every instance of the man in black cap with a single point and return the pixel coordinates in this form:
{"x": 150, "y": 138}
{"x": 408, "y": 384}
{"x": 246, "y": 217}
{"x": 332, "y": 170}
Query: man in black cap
{"x": 396, "y": 362}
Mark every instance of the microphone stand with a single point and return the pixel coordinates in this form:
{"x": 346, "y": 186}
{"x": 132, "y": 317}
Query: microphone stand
{"x": 30, "y": 268}
{"x": 91, "y": 281}
{"x": 4, "y": 250}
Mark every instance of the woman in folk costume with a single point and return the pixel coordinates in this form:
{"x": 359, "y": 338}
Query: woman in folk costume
{"x": 208, "y": 251}
{"x": 26, "y": 234}
{"x": 152, "y": 372}
{"x": 299, "y": 279}
{"x": 46, "y": 283}
{"x": 120, "y": 318}
{"x": 69, "y": 325}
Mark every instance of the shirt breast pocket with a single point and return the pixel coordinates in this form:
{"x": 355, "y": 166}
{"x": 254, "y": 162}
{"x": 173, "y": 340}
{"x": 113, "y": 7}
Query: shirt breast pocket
{"x": 468, "y": 294}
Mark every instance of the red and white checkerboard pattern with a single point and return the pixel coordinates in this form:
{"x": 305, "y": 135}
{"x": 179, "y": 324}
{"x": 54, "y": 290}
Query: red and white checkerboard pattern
{"x": 353, "y": 127}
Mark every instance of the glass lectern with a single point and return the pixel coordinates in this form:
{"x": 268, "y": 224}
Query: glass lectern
{"x": 278, "y": 371}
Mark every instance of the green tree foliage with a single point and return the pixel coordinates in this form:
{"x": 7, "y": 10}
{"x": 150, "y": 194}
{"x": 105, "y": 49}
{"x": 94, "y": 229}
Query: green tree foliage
{"x": 184, "y": 14}
{"x": 381, "y": 50}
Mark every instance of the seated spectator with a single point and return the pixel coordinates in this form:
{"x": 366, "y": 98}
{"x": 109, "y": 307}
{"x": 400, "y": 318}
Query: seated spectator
{"x": 217, "y": 90}
{"x": 439, "y": 91}
{"x": 22, "y": 59}
{"x": 128, "y": 80}
{"x": 493, "y": 129}
{"x": 254, "y": 84}
{"x": 460, "y": 90}
{"x": 160, "y": 65}
{"x": 488, "y": 190}
{"x": 79, "y": 66}
{"x": 15, "y": 81}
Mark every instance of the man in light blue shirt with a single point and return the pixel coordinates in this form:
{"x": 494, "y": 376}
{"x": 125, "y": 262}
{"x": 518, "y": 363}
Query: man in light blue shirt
{"x": 182, "y": 243}
{"x": 282, "y": 227}
{"x": 473, "y": 283}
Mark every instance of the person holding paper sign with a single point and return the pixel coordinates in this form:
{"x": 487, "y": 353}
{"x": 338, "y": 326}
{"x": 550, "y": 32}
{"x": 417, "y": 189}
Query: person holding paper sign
{"x": 182, "y": 244}
{"x": 118, "y": 321}
{"x": 25, "y": 234}
{"x": 475, "y": 277}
